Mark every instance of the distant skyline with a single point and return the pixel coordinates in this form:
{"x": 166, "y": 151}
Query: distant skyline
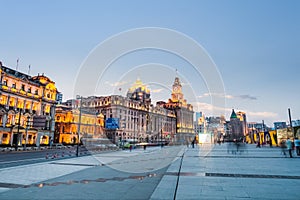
{"x": 254, "y": 45}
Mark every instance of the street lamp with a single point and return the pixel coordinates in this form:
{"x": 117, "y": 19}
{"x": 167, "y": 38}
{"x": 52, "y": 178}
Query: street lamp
{"x": 18, "y": 130}
{"x": 26, "y": 140}
{"x": 78, "y": 131}
{"x": 134, "y": 124}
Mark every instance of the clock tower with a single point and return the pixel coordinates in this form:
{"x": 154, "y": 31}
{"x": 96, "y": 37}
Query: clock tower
{"x": 177, "y": 95}
{"x": 184, "y": 113}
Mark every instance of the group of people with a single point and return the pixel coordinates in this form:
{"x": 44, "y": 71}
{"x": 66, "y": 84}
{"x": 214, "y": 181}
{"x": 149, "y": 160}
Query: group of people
{"x": 290, "y": 145}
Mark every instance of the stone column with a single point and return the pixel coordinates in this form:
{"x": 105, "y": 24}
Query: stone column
{"x": 4, "y": 119}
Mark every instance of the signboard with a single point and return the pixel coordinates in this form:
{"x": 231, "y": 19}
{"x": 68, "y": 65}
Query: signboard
{"x": 284, "y": 133}
{"x": 112, "y": 123}
{"x": 205, "y": 138}
{"x": 39, "y": 122}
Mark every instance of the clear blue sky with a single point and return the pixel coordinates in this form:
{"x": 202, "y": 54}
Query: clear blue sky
{"x": 255, "y": 45}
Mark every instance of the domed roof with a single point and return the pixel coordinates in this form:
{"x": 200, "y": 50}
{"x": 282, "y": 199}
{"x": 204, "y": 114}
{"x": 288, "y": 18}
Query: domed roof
{"x": 139, "y": 91}
{"x": 139, "y": 85}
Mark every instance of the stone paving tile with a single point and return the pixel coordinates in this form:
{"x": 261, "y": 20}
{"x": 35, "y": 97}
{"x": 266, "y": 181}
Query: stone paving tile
{"x": 253, "y": 174}
{"x": 165, "y": 189}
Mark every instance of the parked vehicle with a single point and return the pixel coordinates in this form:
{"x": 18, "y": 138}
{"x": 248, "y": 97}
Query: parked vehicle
{"x": 58, "y": 146}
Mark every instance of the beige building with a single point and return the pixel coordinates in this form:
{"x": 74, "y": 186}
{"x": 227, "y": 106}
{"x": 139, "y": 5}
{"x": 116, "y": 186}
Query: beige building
{"x": 67, "y": 120}
{"x": 135, "y": 116}
{"x": 27, "y": 108}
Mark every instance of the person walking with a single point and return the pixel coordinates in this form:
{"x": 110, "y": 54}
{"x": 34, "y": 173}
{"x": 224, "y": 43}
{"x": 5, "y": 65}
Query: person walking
{"x": 297, "y": 146}
{"x": 257, "y": 142}
{"x": 289, "y": 146}
{"x": 283, "y": 147}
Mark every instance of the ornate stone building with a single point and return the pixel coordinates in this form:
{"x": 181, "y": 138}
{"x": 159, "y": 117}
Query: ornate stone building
{"x": 237, "y": 125}
{"x": 184, "y": 113}
{"x": 135, "y": 116}
{"x": 27, "y": 108}
{"x": 67, "y": 120}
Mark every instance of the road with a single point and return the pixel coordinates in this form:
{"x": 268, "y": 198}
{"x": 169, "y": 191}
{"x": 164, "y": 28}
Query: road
{"x": 16, "y": 158}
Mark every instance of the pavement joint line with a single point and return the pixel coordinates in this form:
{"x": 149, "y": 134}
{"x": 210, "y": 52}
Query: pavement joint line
{"x": 11, "y": 185}
{"x": 237, "y": 156}
{"x": 252, "y": 176}
{"x": 229, "y": 175}
{"x": 76, "y": 164}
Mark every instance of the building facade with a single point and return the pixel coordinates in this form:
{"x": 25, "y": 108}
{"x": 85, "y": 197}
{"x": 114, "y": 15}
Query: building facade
{"x": 27, "y": 108}
{"x": 135, "y": 117}
{"x": 184, "y": 113}
{"x": 67, "y": 120}
{"x": 236, "y": 127}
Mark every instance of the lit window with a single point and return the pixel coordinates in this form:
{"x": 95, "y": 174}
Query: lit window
{"x": 14, "y": 85}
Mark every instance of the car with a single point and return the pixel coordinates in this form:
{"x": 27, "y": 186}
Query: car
{"x": 58, "y": 146}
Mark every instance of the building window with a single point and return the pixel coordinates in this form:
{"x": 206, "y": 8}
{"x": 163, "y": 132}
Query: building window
{"x": 36, "y": 92}
{"x": 14, "y": 85}
{"x": 29, "y": 90}
{"x": 23, "y": 87}
{"x": 5, "y": 82}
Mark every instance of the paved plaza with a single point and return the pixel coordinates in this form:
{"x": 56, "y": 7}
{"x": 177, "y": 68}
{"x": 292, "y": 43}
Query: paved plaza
{"x": 171, "y": 172}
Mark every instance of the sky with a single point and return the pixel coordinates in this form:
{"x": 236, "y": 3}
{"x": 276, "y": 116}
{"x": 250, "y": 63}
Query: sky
{"x": 252, "y": 45}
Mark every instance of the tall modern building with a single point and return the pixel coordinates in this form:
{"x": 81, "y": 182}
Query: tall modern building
{"x": 200, "y": 122}
{"x": 27, "y": 108}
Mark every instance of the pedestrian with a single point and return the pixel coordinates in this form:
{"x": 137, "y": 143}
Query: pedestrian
{"x": 130, "y": 147}
{"x": 257, "y": 142}
{"x": 193, "y": 143}
{"x": 297, "y": 145}
{"x": 289, "y": 147}
{"x": 283, "y": 147}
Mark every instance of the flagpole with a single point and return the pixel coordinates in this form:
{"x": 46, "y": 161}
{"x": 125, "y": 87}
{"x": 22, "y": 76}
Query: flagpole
{"x": 17, "y": 64}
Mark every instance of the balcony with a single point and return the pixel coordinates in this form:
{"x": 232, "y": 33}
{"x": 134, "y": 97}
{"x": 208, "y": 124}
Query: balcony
{"x": 5, "y": 87}
{"x": 22, "y": 92}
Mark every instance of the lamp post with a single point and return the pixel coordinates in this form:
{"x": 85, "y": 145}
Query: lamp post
{"x": 135, "y": 123}
{"x": 78, "y": 131}
{"x": 26, "y": 140}
{"x": 18, "y": 131}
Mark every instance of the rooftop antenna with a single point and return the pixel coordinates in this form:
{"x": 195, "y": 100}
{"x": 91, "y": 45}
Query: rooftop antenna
{"x": 17, "y": 64}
